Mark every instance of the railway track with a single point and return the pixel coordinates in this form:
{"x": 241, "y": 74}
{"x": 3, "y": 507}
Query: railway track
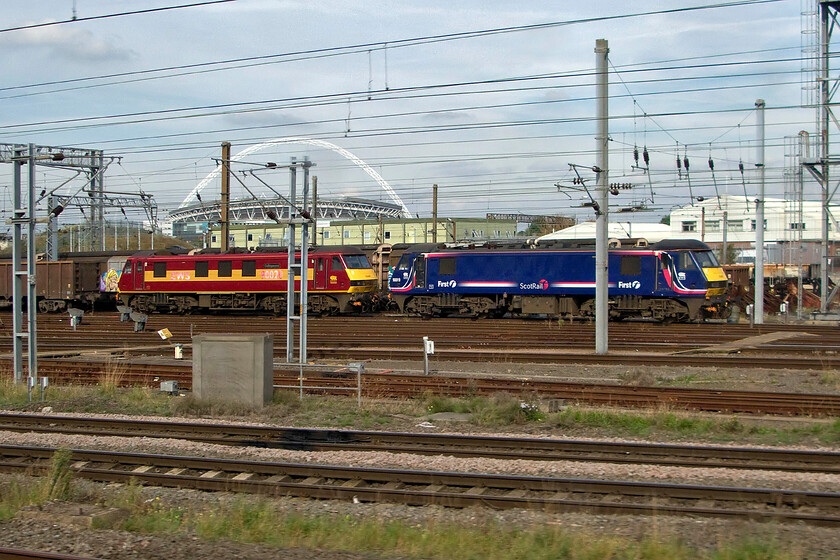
{"x": 506, "y": 448}
{"x": 17, "y": 554}
{"x": 105, "y": 330}
{"x": 439, "y": 488}
{"x": 396, "y": 385}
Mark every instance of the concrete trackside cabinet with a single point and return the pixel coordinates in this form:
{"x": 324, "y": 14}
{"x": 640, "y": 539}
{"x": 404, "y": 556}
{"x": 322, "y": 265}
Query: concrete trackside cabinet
{"x": 233, "y": 368}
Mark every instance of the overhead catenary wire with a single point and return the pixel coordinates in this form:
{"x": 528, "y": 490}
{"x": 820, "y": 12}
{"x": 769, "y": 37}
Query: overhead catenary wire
{"x": 393, "y": 130}
{"x": 384, "y": 45}
{"x": 76, "y": 19}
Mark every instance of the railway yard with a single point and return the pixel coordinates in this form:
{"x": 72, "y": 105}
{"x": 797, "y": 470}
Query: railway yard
{"x": 768, "y": 466}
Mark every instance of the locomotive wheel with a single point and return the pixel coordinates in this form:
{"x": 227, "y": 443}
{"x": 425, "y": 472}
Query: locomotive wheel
{"x": 322, "y": 305}
{"x": 183, "y": 304}
{"x": 274, "y": 304}
{"x": 421, "y": 307}
{"x": 587, "y": 308}
{"x": 141, "y": 304}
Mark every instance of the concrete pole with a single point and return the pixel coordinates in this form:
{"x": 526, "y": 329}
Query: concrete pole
{"x": 758, "y": 309}
{"x": 225, "y": 202}
{"x": 602, "y": 221}
{"x": 724, "y": 256}
{"x": 434, "y": 213}
{"x": 314, "y": 240}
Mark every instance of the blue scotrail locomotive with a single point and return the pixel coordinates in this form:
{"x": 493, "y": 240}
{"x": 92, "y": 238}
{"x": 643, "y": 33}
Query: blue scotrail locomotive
{"x": 672, "y": 280}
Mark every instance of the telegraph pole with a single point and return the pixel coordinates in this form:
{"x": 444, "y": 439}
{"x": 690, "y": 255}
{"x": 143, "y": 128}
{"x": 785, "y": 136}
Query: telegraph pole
{"x": 314, "y": 237}
{"x": 758, "y": 308}
{"x": 434, "y": 213}
{"x": 225, "y": 202}
{"x": 602, "y": 220}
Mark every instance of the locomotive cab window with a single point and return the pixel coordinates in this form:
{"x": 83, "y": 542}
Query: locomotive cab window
{"x": 706, "y": 259}
{"x": 249, "y": 268}
{"x": 127, "y": 268}
{"x": 405, "y": 263}
{"x": 337, "y": 264}
{"x": 225, "y": 268}
{"x": 685, "y": 262}
{"x": 201, "y": 269}
{"x": 631, "y": 265}
{"x": 446, "y": 266}
{"x": 160, "y": 270}
{"x": 356, "y": 261}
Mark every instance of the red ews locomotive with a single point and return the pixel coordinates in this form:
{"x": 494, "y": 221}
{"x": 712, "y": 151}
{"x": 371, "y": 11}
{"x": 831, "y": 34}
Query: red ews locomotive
{"x": 341, "y": 280}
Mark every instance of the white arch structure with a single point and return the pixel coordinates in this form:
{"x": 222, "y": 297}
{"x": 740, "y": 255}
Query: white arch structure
{"x": 302, "y": 140}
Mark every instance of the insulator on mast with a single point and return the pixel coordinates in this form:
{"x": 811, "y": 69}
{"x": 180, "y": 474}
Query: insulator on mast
{"x": 646, "y": 157}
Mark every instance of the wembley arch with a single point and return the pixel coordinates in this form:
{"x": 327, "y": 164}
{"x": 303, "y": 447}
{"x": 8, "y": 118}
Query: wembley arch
{"x": 301, "y": 140}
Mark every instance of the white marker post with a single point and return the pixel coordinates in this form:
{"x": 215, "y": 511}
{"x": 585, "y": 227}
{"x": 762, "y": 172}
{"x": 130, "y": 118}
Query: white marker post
{"x": 428, "y": 348}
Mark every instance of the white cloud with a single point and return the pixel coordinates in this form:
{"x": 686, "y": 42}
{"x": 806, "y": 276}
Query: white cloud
{"x": 64, "y": 44}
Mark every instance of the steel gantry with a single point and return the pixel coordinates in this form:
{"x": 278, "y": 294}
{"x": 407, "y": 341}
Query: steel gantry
{"x": 820, "y": 19}
{"x": 93, "y": 164}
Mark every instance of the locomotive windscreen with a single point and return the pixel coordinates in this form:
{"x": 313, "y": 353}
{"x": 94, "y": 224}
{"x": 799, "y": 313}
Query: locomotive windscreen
{"x": 405, "y": 263}
{"x": 706, "y": 259}
{"x": 356, "y": 261}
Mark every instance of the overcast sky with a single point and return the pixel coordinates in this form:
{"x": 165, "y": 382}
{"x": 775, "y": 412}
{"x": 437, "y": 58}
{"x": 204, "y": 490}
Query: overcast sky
{"x": 493, "y": 119}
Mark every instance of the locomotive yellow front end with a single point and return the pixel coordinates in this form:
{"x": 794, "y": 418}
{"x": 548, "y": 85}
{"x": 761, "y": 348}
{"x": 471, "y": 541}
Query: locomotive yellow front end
{"x": 362, "y": 280}
{"x": 716, "y": 281}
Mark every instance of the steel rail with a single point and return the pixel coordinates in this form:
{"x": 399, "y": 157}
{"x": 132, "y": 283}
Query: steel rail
{"x": 450, "y": 489}
{"x": 411, "y": 386}
{"x": 506, "y": 448}
{"x": 398, "y": 330}
{"x": 17, "y": 554}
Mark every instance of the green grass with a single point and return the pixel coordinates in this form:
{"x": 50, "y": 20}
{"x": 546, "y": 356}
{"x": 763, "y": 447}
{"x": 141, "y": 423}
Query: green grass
{"x": 259, "y": 520}
{"x": 55, "y": 485}
{"x": 249, "y": 520}
{"x": 496, "y": 411}
{"x": 670, "y": 424}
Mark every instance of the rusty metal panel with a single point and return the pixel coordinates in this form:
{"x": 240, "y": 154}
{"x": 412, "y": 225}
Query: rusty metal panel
{"x": 55, "y": 280}
{"x": 6, "y": 286}
{"x": 87, "y": 277}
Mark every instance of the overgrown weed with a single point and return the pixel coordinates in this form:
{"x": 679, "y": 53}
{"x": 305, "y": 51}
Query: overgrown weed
{"x": 11, "y": 393}
{"x": 497, "y": 410}
{"x": 20, "y": 492}
{"x": 111, "y": 378}
{"x": 259, "y": 520}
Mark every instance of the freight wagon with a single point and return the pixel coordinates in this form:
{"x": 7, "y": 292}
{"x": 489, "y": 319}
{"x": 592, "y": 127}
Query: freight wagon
{"x": 58, "y": 284}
